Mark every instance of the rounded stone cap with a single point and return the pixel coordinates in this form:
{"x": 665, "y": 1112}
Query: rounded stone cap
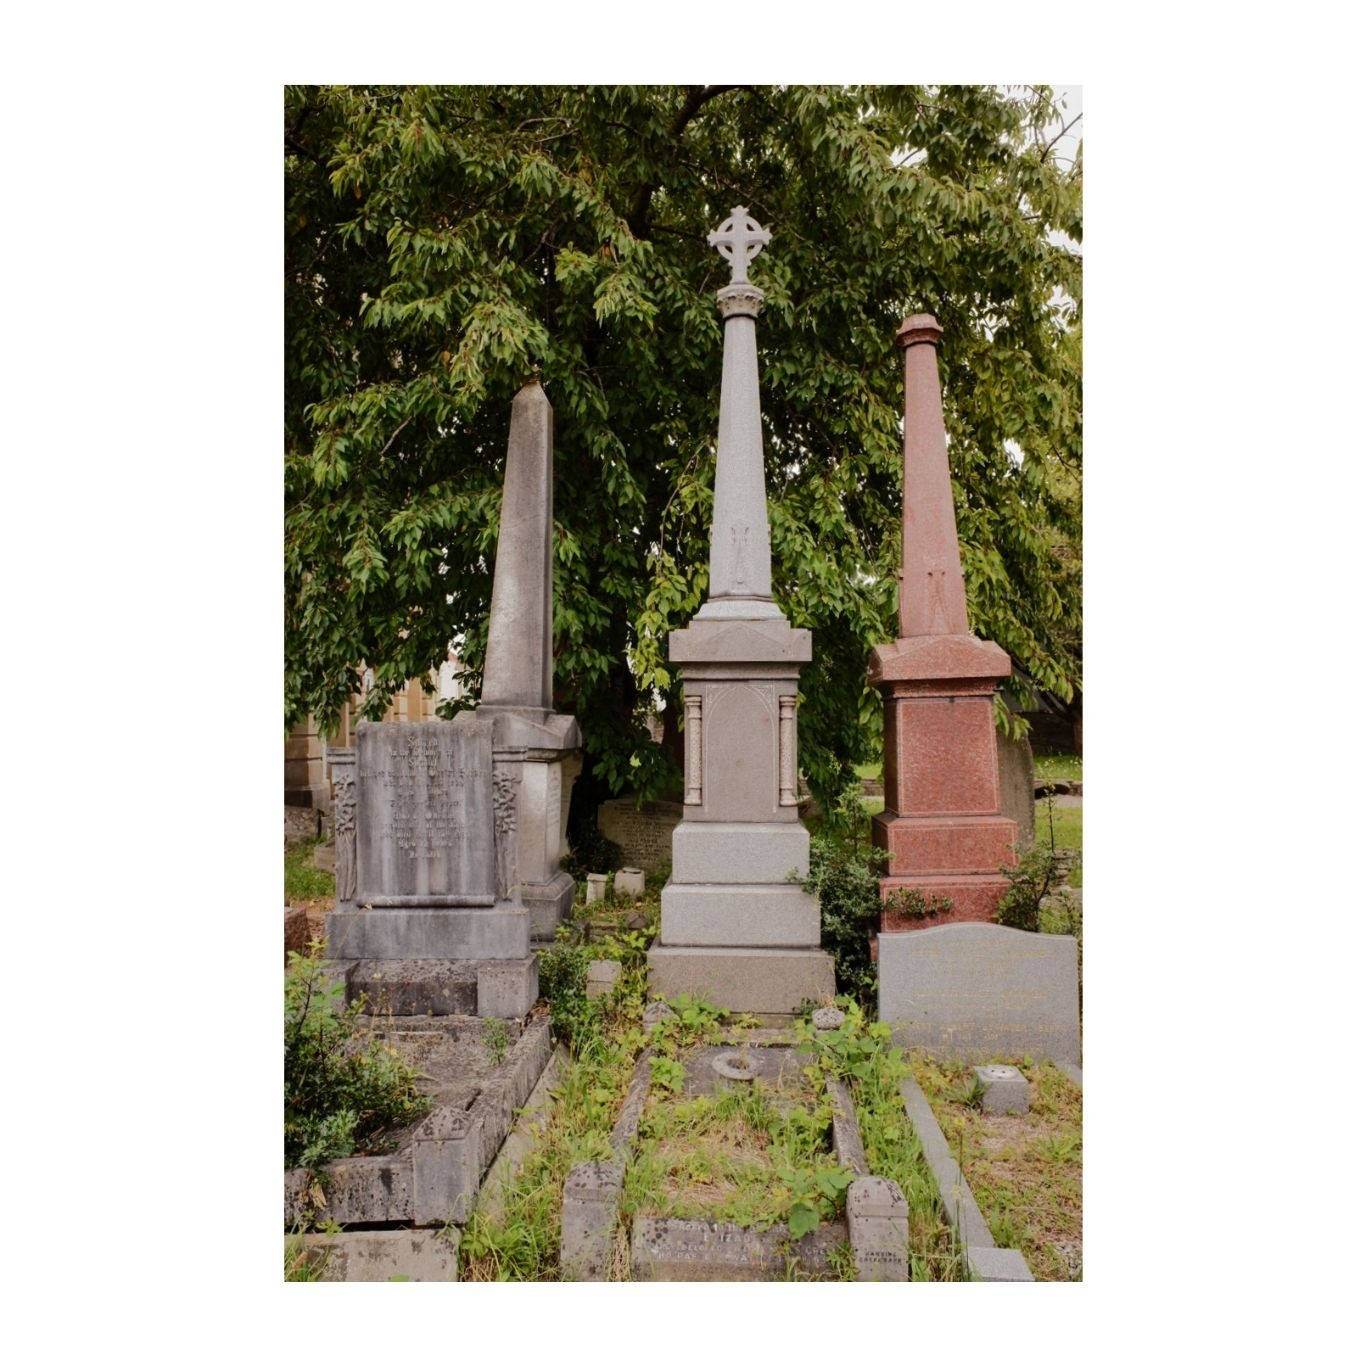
{"x": 919, "y": 327}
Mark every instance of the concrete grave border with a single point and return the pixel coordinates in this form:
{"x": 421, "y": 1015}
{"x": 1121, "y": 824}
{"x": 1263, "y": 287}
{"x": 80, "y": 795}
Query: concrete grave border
{"x": 874, "y": 1227}
{"x": 434, "y": 1177}
{"x": 986, "y": 1261}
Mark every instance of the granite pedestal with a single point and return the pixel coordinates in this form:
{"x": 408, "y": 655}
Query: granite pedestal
{"x": 943, "y": 828}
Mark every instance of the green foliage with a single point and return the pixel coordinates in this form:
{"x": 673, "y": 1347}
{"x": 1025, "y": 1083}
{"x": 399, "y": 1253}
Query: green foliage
{"x": 496, "y": 1039}
{"x": 912, "y": 903}
{"x": 853, "y": 1052}
{"x": 590, "y": 851}
{"x": 1058, "y": 766}
{"x": 340, "y": 1094}
{"x": 442, "y": 244}
{"x": 1038, "y": 875}
{"x": 666, "y": 1073}
{"x": 563, "y": 971}
{"x": 817, "y": 1194}
{"x": 846, "y": 884}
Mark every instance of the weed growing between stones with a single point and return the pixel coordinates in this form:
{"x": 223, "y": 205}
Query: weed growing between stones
{"x": 604, "y": 1038}
{"x": 495, "y": 1039}
{"x": 341, "y": 1094}
{"x": 860, "y": 1053}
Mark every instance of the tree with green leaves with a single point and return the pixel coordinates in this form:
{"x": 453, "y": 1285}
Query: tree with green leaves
{"x": 443, "y": 244}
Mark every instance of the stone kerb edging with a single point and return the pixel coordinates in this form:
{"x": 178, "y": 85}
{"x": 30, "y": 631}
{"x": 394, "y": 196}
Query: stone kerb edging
{"x": 433, "y": 1178}
{"x": 592, "y": 1190}
{"x": 876, "y": 1223}
{"x": 986, "y": 1261}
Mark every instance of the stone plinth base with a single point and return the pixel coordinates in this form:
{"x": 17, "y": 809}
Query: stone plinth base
{"x": 941, "y": 845}
{"x": 762, "y": 982}
{"x": 974, "y": 897}
{"x": 414, "y": 932}
{"x": 549, "y": 903}
{"x": 506, "y": 988}
{"x": 736, "y": 915}
{"x": 740, "y": 852}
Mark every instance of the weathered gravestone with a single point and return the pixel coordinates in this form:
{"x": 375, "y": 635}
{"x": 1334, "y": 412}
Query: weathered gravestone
{"x": 974, "y": 993}
{"x": 459, "y": 824}
{"x": 942, "y": 828}
{"x": 734, "y": 928}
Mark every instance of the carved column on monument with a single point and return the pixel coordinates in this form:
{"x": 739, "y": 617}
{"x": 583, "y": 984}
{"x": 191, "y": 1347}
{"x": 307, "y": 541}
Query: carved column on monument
{"x": 942, "y": 827}
{"x": 342, "y": 762}
{"x": 735, "y": 928}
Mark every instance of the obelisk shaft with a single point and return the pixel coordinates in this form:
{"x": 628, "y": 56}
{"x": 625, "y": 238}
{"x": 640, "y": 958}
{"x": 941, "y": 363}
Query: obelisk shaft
{"x": 518, "y": 664}
{"x": 740, "y": 554}
{"x": 933, "y": 601}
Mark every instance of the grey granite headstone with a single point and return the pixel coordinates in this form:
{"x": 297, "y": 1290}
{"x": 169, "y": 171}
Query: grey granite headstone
{"x": 974, "y": 992}
{"x": 425, "y": 814}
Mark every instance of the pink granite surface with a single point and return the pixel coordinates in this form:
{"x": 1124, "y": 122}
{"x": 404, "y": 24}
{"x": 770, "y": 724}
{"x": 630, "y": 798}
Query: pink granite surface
{"x": 943, "y": 828}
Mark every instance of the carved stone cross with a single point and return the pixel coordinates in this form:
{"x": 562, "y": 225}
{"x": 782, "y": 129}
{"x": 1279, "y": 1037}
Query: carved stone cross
{"x": 739, "y": 239}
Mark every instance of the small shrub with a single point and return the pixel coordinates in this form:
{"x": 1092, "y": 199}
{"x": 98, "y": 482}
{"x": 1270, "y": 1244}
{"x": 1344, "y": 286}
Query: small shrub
{"x": 912, "y": 903}
{"x": 340, "y": 1094}
{"x": 845, "y": 883}
{"x": 564, "y": 984}
{"x": 1038, "y": 874}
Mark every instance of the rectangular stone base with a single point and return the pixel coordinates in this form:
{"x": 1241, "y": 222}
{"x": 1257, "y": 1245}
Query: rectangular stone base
{"x": 755, "y": 981}
{"x": 390, "y": 932}
{"x": 735, "y": 851}
{"x": 732, "y": 916}
{"x": 506, "y": 988}
{"x": 549, "y": 904}
{"x": 974, "y": 897}
{"x": 945, "y": 844}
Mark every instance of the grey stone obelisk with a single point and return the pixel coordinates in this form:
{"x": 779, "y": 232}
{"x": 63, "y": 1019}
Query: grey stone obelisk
{"x": 535, "y": 749}
{"x": 735, "y": 928}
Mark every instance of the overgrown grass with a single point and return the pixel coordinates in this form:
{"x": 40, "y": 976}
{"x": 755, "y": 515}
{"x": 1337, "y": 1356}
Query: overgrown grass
{"x": 1024, "y": 1171}
{"x": 861, "y": 1054}
{"x": 304, "y": 882}
{"x": 746, "y": 1155}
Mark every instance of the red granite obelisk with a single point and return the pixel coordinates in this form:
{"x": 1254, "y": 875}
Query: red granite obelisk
{"x": 943, "y": 829}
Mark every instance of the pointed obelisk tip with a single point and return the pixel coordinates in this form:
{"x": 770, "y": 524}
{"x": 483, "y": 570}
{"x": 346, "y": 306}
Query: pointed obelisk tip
{"x": 530, "y": 392}
{"x": 919, "y": 327}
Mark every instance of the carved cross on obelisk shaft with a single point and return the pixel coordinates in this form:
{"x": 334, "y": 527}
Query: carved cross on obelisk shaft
{"x": 739, "y": 239}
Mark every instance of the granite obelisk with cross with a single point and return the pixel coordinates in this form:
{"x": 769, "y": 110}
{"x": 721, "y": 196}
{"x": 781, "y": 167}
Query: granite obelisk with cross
{"x": 942, "y": 828}
{"x": 735, "y": 928}
{"x": 458, "y": 824}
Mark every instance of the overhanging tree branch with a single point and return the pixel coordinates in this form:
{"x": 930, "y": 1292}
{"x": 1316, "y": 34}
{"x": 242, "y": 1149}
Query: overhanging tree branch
{"x": 637, "y": 217}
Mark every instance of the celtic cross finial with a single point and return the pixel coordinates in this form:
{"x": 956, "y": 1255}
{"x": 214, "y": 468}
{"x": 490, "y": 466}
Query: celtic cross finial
{"x": 739, "y": 239}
